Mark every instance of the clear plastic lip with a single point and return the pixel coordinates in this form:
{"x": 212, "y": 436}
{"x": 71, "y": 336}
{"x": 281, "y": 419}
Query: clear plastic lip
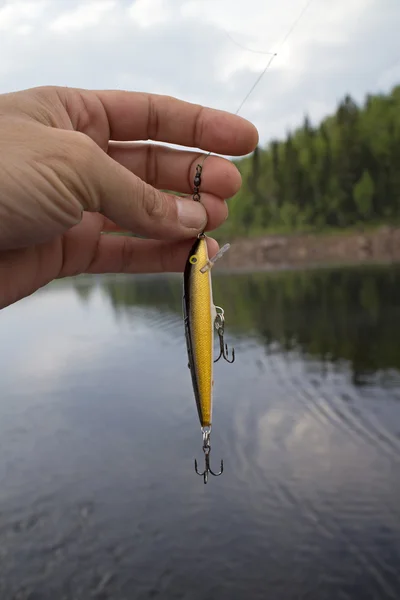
{"x": 214, "y": 259}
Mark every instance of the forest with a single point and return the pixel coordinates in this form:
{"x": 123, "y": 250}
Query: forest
{"x": 340, "y": 174}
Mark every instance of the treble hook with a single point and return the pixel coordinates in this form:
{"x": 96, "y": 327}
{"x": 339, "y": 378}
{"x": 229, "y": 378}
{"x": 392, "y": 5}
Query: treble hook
{"x": 223, "y": 348}
{"x": 207, "y": 450}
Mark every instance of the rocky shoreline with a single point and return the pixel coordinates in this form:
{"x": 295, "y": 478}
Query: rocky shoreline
{"x": 312, "y": 250}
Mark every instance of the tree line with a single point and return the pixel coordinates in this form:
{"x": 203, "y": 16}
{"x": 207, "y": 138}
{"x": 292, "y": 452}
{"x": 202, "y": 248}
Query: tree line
{"x": 342, "y": 173}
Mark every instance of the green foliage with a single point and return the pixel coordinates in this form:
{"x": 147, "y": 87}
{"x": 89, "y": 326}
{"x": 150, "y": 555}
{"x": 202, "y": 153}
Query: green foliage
{"x": 342, "y": 173}
{"x": 363, "y": 193}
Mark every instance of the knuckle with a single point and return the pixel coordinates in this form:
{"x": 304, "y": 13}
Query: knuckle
{"x": 43, "y": 92}
{"x": 151, "y": 165}
{"x": 85, "y": 145}
{"x": 155, "y": 204}
{"x": 152, "y": 119}
{"x": 198, "y": 127}
{"x": 47, "y": 105}
{"x": 127, "y": 255}
{"x": 82, "y": 154}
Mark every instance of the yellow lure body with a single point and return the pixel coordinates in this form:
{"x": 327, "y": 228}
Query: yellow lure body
{"x": 199, "y": 317}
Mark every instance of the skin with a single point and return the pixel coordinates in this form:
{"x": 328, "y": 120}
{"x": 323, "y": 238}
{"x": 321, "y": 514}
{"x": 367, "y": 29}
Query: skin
{"x": 72, "y": 171}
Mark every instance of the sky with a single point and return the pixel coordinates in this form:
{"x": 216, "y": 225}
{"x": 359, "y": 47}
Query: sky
{"x": 208, "y": 51}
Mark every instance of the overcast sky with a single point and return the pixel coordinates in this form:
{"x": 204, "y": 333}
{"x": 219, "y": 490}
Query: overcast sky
{"x": 185, "y": 48}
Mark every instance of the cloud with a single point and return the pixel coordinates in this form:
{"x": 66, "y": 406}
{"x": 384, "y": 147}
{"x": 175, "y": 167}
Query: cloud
{"x": 147, "y": 13}
{"x": 83, "y": 16}
{"x": 193, "y": 49}
{"x": 12, "y": 14}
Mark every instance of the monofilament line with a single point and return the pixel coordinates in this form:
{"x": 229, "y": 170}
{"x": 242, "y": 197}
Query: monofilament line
{"x": 267, "y": 66}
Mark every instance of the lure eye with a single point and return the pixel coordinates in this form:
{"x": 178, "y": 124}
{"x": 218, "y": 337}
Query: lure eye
{"x": 193, "y": 260}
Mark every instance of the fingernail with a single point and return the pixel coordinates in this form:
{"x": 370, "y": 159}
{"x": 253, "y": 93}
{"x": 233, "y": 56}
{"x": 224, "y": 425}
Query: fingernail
{"x": 191, "y": 214}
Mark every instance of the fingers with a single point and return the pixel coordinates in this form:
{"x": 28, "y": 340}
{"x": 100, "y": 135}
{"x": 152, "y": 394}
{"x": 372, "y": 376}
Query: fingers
{"x": 167, "y": 168}
{"x": 216, "y": 209}
{"x": 86, "y": 250}
{"x": 121, "y": 254}
{"x": 102, "y": 185}
{"x": 122, "y": 115}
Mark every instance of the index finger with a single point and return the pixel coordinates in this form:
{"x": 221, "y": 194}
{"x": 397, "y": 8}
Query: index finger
{"x": 141, "y": 116}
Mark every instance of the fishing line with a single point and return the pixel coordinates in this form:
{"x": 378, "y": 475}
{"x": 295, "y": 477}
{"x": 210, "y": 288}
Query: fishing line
{"x": 198, "y": 309}
{"x": 267, "y": 66}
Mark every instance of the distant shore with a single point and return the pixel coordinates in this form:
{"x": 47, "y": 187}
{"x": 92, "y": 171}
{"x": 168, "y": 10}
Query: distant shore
{"x": 377, "y": 246}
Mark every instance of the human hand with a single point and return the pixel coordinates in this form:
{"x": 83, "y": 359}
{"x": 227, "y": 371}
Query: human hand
{"x": 68, "y": 178}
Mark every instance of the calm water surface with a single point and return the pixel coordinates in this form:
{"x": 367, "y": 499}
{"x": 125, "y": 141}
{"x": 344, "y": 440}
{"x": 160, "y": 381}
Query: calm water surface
{"x": 98, "y": 433}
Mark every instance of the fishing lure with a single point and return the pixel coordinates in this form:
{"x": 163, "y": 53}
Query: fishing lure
{"x": 201, "y": 317}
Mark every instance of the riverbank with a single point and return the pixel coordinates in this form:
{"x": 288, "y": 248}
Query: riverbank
{"x": 381, "y": 245}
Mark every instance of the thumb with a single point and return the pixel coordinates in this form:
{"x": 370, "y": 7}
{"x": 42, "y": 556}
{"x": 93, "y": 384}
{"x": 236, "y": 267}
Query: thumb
{"x": 133, "y": 204}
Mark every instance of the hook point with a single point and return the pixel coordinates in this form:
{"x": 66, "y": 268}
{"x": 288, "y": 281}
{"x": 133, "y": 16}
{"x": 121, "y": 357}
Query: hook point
{"x": 207, "y": 467}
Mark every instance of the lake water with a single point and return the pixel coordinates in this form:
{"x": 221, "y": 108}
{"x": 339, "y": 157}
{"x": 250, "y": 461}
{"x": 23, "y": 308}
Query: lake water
{"x": 99, "y": 431}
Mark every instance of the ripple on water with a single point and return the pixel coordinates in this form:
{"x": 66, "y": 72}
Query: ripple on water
{"x": 98, "y": 496}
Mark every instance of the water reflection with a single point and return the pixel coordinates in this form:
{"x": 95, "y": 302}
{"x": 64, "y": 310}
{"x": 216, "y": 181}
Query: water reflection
{"x": 98, "y": 432}
{"x": 332, "y": 315}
